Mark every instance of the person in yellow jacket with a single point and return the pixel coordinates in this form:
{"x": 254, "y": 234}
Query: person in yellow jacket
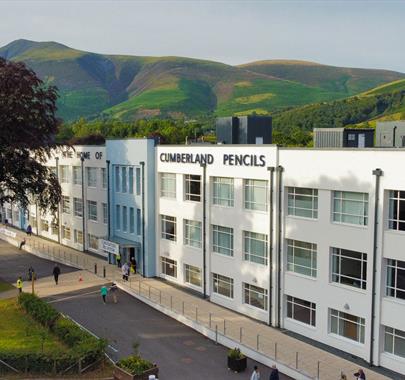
{"x": 19, "y": 284}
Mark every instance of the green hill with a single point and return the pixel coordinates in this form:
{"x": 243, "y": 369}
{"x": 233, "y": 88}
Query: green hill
{"x": 132, "y": 87}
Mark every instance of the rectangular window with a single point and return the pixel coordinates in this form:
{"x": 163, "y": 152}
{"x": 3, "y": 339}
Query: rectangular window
{"x": 104, "y": 178}
{"x": 77, "y": 175}
{"x": 255, "y": 296}
{"x": 192, "y": 233}
{"x": 91, "y": 177}
{"x": 105, "y": 213}
{"x": 138, "y": 221}
{"x": 169, "y": 267}
{"x": 192, "y": 187}
{"x": 44, "y": 225}
{"x": 138, "y": 181}
{"x": 123, "y": 179}
{"x": 78, "y": 207}
{"x": 350, "y": 207}
{"x": 168, "y": 185}
{"x": 222, "y": 240}
{"x": 92, "y": 210}
{"x": 222, "y": 191}
{"x": 222, "y": 285}
{"x": 131, "y": 220}
{"x": 118, "y": 217}
{"x": 131, "y": 180}
{"x": 349, "y": 268}
{"x": 347, "y": 325}
{"x": 396, "y": 279}
{"x": 65, "y": 232}
{"x": 64, "y": 173}
{"x": 117, "y": 178}
{"x": 303, "y": 202}
{"x": 93, "y": 242}
{"x": 301, "y": 310}
{"x": 301, "y": 257}
{"x": 192, "y": 275}
{"x": 396, "y": 217}
{"x": 168, "y": 225}
{"x": 255, "y": 247}
{"x": 78, "y": 236}
{"x": 124, "y": 218}
{"x": 255, "y": 194}
{"x": 65, "y": 204}
{"x": 55, "y": 228}
{"x": 394, "y": 341}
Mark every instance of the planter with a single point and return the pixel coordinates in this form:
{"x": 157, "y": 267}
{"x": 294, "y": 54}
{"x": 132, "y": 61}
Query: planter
{"x": 237, "y": 365}
{"x": 120, "y": 374}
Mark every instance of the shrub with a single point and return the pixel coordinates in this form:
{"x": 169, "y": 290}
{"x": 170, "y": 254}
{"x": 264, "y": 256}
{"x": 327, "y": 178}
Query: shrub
{"x": 45, "y": 314}
{"x": 135, "y": 365}
{"x": 235, "y": 353}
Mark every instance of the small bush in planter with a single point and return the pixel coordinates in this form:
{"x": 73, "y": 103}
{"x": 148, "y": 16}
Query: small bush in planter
{"x": 135, "y": 365}
{"x": 237, "y": 362}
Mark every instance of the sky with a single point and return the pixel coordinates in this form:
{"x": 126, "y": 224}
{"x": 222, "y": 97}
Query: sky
{"x": 351, "y": 33}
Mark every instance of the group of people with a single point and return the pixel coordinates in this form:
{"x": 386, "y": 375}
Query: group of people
{"x": 113, "y": 290}
{"x": 29, "y": 233}
{"x": 33, "y": 276}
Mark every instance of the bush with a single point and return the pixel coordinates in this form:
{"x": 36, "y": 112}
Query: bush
{"x": 235, "y": 353}
{"x": 135, "y": 365}
{"x": 45, "y": 314}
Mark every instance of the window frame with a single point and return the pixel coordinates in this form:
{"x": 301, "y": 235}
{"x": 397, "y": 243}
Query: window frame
{"x": 222, "y": 279}
{"x": 293, "y": 210}
{"x": 221, "y": 182}
{"x": 78, "y": 211}
{"x": 164, "y": 261}
{"x": 65, "y": 200}
{"x": 248, "y": 238}
{"x": 188, "y": 226}
{"x": 193, "y": 270}
{"x": 338, "y": 216}
{"x": 77, "y": 180}
{"x": 189, "y": 181}
{"x": 91, "y": 174}
{"x": 394, "y": 223}
{"x": 341, "y": 316}
{"x": 295, "y": 246}
{"x": 166, "y": 220}
{"x": 168, "y": 191}
{"x": 250, "y": 185}
{"x": 396, "y": 334}
{"x": 392, "y": 291}
{"x": 217, "y": 230}
{"x": 294, "y": 302}
{"x": 105, "y": 213}
{"x": 248, "y": 289}
{"x": 91, "y": 206}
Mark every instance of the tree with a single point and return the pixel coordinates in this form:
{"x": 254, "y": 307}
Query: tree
{"x": 28, "y": 126}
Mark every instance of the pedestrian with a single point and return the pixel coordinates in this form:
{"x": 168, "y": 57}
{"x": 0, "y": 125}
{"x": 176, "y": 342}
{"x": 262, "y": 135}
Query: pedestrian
{"x": 22, "y": 243}
{"x": 255, "y": 374}
{"x": 360, "y": 375}
{"x": 104, "y": 293}
{"x": 274, "y": 373}
{"x": 124, "y": 272}
{"x": 118, "y": 258}
{"x": 343, "y": 376}
{"x": 56, "y": 273}
{"x": 30, "y": 273}
{"x": 19, "y": 284}
{"x": 114, "y": 290}
{"x": 127, "y": 271}
{"x": 29, "y": 230}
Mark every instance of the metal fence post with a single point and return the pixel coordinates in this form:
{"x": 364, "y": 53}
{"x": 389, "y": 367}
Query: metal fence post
{"x": 160, "y": 297}
{"x": 139, "y": 283}
{"x": 318, "y": 370}
{"x": 224, "y": 327}
{"x": 95, "y": 268}
{"x": 296, "y": 360}
{"x": 216, "y": 334}
{"x": 104, "y": 271}
{"x": 275, "y": 351}
{"x": 210, "y": 320}
{"x": 196, "y": 313}
{"x": 183, "y": 308}
{"x": 149, "y": 292}
{"x": 240, "y": 334}
{"x": 171, "y": 302}
{"x": 257, "y": 342}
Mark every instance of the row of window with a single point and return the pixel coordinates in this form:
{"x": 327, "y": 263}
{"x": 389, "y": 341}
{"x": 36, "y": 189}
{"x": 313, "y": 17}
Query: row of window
{"x": 91, "y": 175}
{"x": 125, "y": 181}
{"x": 92, "y": 240}
{"x": 123, "y": 215}
{"x": 78, "y": 208}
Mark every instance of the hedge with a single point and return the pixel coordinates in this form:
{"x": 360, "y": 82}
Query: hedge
{"x": 42, "y": 312}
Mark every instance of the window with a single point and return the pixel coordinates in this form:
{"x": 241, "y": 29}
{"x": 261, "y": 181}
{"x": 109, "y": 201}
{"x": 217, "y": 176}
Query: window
{"x": 168, "y": 227}
{"x": 78, "y": 236}
{"x": 255, "y": 194}
{"x": 301, "y": 257}
{"x": 255, "y": 296}
{"x": 303, "y": 202}
{"x": 131, "y": 220}
{"x": 394, "y": 341}
{"x": 350, "y": 207}
{"x": 123, "y": 179}
{"x": 77, "y": 175}
{"x": 169, "y": 267}
{"x": 65, "y": 232}
{"x": 138, "y": 221}
{"x": 117, "y": 178}
{"x": 396, "y": 279}
{"x": 222, "y": 285}
{"x": 104, "y": 179}
{"x": 105, "y": 213}
{"x": 92, "y": 210}
{"x": 44, "y": 225}
{"x": 255, "y": 247}
{"x": 168, "y": 185}
{"x": 351, "y": 137}
{"x": 117, "y": 217}
{"x": 55, "y": 228}
{"x": 193, "y": 275}
{"x": 93, "y": 242}
{"x": 65, "y": 204}
{"x": 192, "y": 233}
{"x": 91, "y": 177}
{"x": 396, "y": 217}
{"x": 222, "y": 240}
{"x": 138, "y": 181}
{"x": 222, "y": 191}
{"x": 347, "y": 325}
{"x": 78, "y": 207}
{"x": 131, "y": 180}
{"x": 349, "y": 268}
{"x": 64, "y": 173}
{"x": 301, "y": 310}
{"x": 193, "y": 187}
{"x": 124, "y": 218}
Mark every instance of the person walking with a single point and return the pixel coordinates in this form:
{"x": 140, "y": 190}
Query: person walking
{"x": 255, "y": 373}
{"x": 104, "y": 292}
{"x": 360, "y": 375}
{"x": 124, "y": 272}
{"x": 29, "y": 230}
{"x": 19, "y": 284}
{"x": 274, "y": 373}
{"x": 118, "y": 258}
{"x": 56, "y": 273}
{"x": 22, "y": 243}
{"x": 31, "y": 273}
{"x": 114, "y": 290}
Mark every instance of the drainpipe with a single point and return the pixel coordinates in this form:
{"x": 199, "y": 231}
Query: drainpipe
{"x": 394, "y": 130}
{"x": 378, "y": 173}
{"x": 83, "y": 205}
{"x": 59, "y": 218}
{"x": 204, "y": 248}
{"x": 36, "y": 219}
{"x": 143, "y": 216}
{"x": 270, "y": 246}
{"x": 280, "y": 170}
{"x": 108, "y": 201}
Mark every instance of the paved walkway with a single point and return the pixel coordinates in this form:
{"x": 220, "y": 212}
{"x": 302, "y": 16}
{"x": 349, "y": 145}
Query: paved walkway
{"x": 265, "y": 344}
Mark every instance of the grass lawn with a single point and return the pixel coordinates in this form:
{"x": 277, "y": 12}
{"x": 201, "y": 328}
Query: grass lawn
{"x": 4, "y": 286}
{"x": 19, "y": 332}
